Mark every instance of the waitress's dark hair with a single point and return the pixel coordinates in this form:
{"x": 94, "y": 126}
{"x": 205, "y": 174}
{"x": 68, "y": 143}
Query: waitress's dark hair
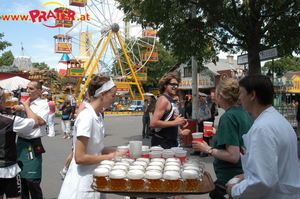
{"x": 262, "y": 85}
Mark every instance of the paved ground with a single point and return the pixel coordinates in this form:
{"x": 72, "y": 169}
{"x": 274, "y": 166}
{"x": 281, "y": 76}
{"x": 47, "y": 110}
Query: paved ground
{"x": 120, "y": 129}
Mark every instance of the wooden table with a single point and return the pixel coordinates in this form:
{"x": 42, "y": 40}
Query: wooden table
{"x": 206, "y": 186}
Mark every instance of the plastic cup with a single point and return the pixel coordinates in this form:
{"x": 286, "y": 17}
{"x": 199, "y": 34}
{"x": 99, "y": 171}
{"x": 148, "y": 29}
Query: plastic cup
{"x": 135, "y": 149}
{"x": 24, "y": 96}
{"x": 145, "y": 153}
{"x": 123, "y": 148}
{"x": 155, "y": 154}
{"x": 181, "y": 154}
{"x": 167, "y": 154}
{"x": 198, "y": 136}
{"x": 156, "y": 148}
{"x": 207, "y": 126}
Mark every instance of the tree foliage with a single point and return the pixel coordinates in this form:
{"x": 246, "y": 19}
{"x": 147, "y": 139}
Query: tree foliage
{"x": 248, "y": 26}
{"x": 40, "y": 66}
{"x": 283, "y": 64}
{"x": 6, "y": 59}
{"x": 3, "y": 44}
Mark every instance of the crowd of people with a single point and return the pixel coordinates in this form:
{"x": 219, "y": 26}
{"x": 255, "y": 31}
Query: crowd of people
{"x": 248, "y": 144}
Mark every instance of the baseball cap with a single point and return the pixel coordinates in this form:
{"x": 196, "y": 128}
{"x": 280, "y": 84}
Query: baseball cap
{"x": 202, "y": 94}
{"x": 45, "y": 93}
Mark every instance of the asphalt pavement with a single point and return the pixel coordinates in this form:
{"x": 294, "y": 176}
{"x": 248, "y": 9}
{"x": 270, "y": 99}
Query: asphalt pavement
{"x": 120, "y": 129}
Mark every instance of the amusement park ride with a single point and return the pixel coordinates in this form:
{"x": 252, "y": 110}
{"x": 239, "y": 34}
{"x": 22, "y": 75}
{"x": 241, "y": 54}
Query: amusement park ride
{"x": 113, "y": 48}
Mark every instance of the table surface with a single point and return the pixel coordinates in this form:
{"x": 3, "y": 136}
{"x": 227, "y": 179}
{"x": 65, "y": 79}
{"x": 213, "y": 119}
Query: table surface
{"x": 206, "y": 186}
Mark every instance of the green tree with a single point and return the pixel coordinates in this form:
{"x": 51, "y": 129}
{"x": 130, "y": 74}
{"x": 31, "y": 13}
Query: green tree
{"x": 3, "y": 44}
{"x": 40, "y": 66}
{"x": 283, "y": 64}
{"x": 231, "y": 26}
{"x": 6, "y": 59}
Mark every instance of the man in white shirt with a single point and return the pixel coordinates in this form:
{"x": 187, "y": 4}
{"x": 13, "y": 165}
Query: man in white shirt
{"x": 31, "y": 173}
{"x": 269, "y": 155}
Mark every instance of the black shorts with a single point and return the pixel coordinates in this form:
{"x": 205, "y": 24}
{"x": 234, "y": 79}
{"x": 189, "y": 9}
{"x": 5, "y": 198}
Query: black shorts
{"x": 11, "y": 187}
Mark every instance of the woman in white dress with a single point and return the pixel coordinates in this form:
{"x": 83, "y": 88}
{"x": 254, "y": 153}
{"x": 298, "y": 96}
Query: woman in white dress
{"x": 88, "y": 144}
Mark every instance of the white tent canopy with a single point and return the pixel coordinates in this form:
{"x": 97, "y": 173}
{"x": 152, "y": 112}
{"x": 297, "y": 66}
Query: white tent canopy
{"x": 15, "y": 83}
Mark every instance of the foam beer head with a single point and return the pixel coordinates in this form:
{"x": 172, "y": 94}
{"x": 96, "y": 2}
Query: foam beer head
{"x": 153, "y": 174}
{"x": 117, "y": 174}
{"x": 109, "y": 162}
{"x": 189, "y": 174}
{"x": 158, "y": 168}
{"x": 137, "y": 167}
{"x": 101, "y": 171}
{"x": 135, "y": 174}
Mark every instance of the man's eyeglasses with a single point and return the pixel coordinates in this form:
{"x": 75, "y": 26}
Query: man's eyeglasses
{"x": 176, "y": 100}
{"x": 173, "y": 84}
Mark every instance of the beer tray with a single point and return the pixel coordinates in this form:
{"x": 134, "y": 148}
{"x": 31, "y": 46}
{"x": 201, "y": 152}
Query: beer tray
{"x": 206, "y": 187}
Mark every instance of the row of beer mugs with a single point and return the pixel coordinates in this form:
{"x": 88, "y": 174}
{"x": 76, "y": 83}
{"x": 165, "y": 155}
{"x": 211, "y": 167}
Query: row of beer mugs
{"x": 151, "y": 180}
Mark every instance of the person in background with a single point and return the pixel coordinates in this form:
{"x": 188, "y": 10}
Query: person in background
{"x": 45, "y": 95}
{"x": 188, "y": 110}
{"x": 31, "y": 143}
{"x": 146, "y": 119}
{"x": 2, "y": 100}
{"x": 152, "y": 104}
{"x": 298, "y": 122}
{"x": 213, "y": 109}
{"x": 269, "y": 152}
{"x": 163, "y": 120}
{"x": 67, "y": 114}
{"x": 180, "y": 130}
{"x": 51, "y": 104}
{"x": 10, "y": 127}
{"x": 88, "y": 142}
{"x": 233, "y": 124}
{"x": 204, "y": 114}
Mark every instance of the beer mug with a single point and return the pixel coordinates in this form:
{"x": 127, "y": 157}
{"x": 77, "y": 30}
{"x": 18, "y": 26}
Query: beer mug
{"x": 136, "y": 181}
{"x": 143, "y": 159}
{"x": 191, "y": 180}
{"x": 154, "y": 180}
{"x": 172, "y": 181}
{"x": 101, "y": 179}
{"x": 118, "y": 180}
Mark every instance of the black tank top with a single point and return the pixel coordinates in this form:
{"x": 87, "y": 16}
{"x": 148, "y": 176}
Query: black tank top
{"x": 169, "y": 133}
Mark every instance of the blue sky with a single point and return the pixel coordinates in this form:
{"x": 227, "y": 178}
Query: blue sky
{"x": 37, "y": 40}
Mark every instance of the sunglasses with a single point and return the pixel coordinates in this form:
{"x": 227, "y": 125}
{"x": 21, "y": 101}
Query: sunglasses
{"x": 176, "y": 100}
{"x": 173, "y": 84}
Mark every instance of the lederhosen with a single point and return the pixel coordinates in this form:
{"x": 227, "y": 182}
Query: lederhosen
{"x": 166, "y": 137}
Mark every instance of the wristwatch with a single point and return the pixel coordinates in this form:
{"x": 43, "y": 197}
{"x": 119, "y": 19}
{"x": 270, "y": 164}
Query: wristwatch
{"x": 209, "y": 151}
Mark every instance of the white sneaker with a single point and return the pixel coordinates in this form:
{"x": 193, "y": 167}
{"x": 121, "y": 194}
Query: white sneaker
{"x": 63, "y": 173}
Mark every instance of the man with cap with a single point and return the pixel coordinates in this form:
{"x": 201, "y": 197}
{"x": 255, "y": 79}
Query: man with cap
{"x": 204, "y": 114}
{"x": 45, "y": 95}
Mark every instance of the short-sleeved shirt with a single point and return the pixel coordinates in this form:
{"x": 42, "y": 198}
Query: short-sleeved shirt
{"x": 77, "y": 183}
{"x": 233, "y": 124}
{"x": 39, "y": 107}
{"x": 51, "y": 105}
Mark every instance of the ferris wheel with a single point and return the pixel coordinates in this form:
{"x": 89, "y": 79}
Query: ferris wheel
{"x": 106, "y": 43}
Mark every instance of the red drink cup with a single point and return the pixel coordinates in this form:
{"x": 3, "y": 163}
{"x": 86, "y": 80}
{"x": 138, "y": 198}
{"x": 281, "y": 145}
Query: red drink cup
{"x": 207, "y": 126}
{"x": 24, "y": 96}
{"x": 198, "y": 136}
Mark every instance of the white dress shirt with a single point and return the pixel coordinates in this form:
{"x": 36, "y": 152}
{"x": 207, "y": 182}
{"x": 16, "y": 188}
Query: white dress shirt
{"x": 271, "y": 161}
